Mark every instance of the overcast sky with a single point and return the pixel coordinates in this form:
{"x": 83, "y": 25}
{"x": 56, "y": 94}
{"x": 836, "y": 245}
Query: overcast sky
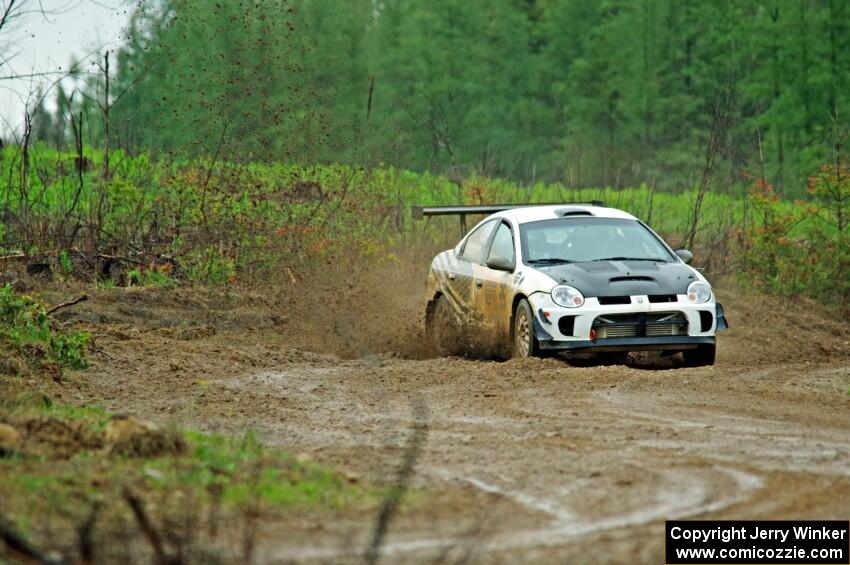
{"x": 45, "y": 43}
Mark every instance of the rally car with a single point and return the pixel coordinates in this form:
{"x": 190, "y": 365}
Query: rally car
{"x": 536, "y": 279}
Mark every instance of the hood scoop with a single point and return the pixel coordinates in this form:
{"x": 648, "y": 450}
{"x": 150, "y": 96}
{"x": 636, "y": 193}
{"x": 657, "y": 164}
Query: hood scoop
{"x": 640, "y": 265}
{"x": 598, "y": 267}
{"x": 631, "y": 279}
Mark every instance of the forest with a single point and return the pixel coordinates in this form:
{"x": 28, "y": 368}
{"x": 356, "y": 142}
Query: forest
{"x": 588, "y": 94}
{"x": 722, "y": 122}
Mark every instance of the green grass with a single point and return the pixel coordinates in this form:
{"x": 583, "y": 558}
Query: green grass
{"x": 221, "y": 222}
{"x": 228, "y": 475}
{"x": 94, "y": 417}
{"x": 240, "y": 468}
{"x": 237, "y": 470}
{"x": 149, "y": 277}
{"x": 205, "y": 498}
{"x": 248, "y": 215}
{"x": 243, "y": 470}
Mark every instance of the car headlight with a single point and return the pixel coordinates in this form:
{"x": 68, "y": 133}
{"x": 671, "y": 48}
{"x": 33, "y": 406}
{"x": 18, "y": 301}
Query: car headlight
{"x": 699, "y": 292}
{"x": 567, "y": 296}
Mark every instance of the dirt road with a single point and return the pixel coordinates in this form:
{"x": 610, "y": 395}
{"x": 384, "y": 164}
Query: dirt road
{"x": 549, "y": 460}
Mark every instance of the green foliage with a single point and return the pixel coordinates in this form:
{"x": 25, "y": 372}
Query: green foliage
{"x": 68, "y": 349}
{"x": 213, "y": 154}
{"x": 27, "y": 406}
{"x": 234, "y": 471}
{"x": 242, "y": 470}
{"x": 223, "y": 480}
{"x": 208, "y": 266}
{"x": 65, "y": 263}
{"x": 149, "y": 277}
{"x": 606, "y": 93}
{"x": 799, "y": 249}
{"x": 221, "y": 222}
{"x": 25, "y": 327}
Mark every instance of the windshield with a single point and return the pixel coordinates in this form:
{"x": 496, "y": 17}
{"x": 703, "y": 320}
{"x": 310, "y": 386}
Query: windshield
{"x": 575, "y": 240}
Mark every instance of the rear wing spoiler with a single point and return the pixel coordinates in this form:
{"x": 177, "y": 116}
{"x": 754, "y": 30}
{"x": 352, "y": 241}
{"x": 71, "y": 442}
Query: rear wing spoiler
{"x": 420, "y": 212}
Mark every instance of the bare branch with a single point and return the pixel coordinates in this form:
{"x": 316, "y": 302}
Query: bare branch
{"x": 58, "y": 307}
{"x": 8, "y": 14}
{"x": 35, "y": 75}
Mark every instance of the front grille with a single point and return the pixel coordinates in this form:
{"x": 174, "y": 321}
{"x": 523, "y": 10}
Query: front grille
{"x": 656, "y": 329}
{"x": 616, "y": 331}
{"x": 653, "y": 298}
{"x": 642, "y": 324}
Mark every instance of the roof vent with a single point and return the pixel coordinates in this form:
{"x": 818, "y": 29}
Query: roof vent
{"x": 566, "y": 212}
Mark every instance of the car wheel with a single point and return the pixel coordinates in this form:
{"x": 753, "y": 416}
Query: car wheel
{"x": 525, "y": 344}
{"x": 443, "y": 328}
{"x": 702, "y": 356}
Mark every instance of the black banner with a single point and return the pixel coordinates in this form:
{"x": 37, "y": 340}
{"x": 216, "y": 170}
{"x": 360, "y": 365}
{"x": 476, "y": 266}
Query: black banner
{"x": 770, "y": 542}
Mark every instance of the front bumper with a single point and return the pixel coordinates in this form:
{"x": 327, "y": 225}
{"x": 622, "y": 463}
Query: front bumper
{"x": 657, "y": 343}
{"x": 702, "y": 321}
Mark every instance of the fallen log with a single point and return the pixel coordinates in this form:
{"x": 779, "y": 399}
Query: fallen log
{"x": 13, "y": 256}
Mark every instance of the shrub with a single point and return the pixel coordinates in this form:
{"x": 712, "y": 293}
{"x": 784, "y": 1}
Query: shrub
{"x": 800, "y": 249}
{"x": 224, "y": 222}
{"x": 25, "y": 327}
{"x": 150, "y": 277}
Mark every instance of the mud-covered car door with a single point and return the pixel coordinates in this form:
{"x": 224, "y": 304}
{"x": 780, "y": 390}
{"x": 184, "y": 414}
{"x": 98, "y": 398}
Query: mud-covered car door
{"x": 459, "y": 271}
{"x": 493, "y": 284}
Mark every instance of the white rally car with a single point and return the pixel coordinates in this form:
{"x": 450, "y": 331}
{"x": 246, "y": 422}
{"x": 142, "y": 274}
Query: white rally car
{"x": 580, "y": 277}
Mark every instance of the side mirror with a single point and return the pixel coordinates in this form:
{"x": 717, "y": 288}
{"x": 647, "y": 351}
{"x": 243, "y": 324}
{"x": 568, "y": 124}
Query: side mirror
{"x": 501, "y": 263}
{"x": 685, "y": 255}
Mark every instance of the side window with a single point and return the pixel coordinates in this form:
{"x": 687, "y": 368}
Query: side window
{"x": 503, "y": 243}
{"x": 474, "y": 247}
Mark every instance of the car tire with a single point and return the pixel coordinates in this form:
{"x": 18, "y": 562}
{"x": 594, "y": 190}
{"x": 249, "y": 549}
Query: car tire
{"x": 524, "y": 342}
{"x": 702, "y": 356}
{"x": 443, "y": 329}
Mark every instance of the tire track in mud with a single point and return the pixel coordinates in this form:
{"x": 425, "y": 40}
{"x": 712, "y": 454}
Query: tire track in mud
{"x": 519, "y": 451}
{"x": 767, "y": 444}
{"x": 573, "y": 458}
{"x": 565, "y": 525}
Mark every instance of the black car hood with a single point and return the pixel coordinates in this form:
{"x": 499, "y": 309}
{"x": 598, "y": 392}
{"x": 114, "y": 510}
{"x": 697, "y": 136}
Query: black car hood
{"x": 622, "y": 278}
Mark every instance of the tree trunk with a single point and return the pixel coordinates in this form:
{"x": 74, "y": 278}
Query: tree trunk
{"x": 777, "y": 93}
{"x": 804, "y": 66}
{"x": 833, "y": 78}
{"x": 23, "y": 194}
{"x": 106, "y": 118}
